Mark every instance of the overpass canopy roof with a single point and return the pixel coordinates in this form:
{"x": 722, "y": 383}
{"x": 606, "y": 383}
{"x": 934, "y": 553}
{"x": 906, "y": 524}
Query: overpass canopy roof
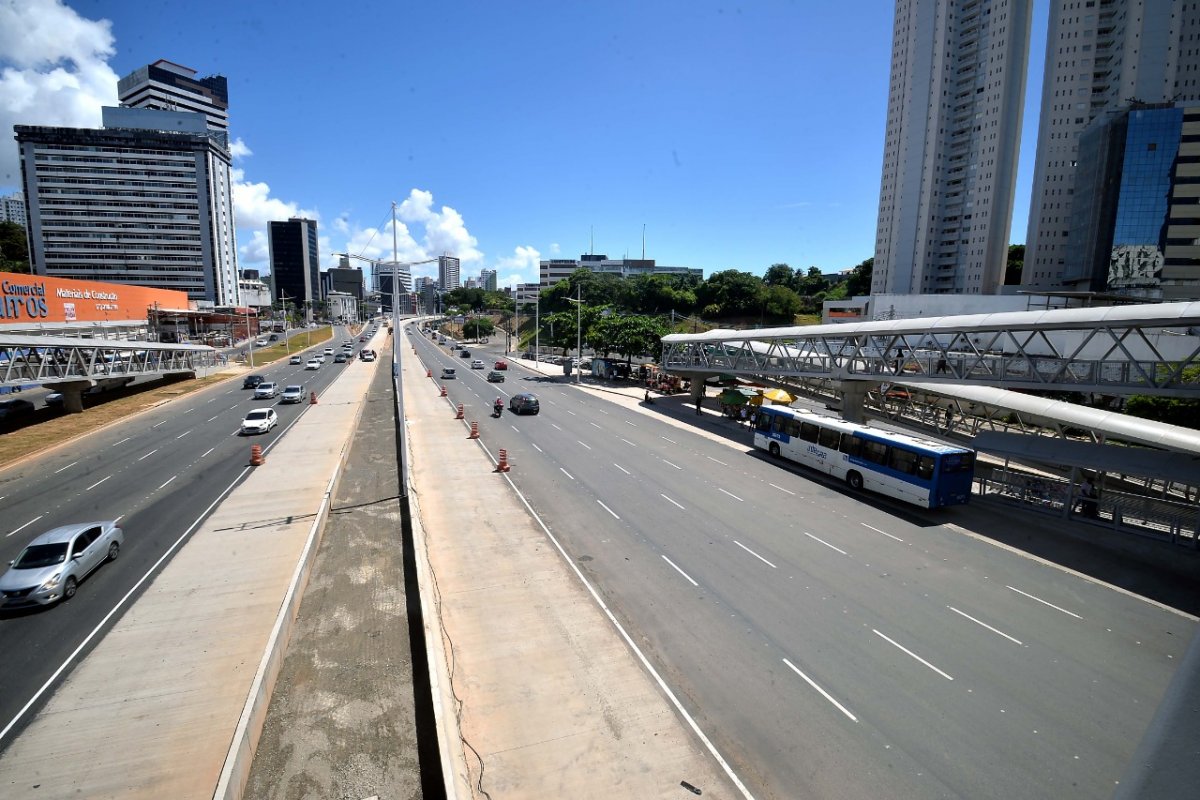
{"x": 65, "y": 342}
{"x": 1182, "y": 468}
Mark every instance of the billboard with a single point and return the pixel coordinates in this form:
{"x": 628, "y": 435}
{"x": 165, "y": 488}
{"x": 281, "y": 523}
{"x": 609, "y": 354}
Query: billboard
{"x": 38, "y": 298}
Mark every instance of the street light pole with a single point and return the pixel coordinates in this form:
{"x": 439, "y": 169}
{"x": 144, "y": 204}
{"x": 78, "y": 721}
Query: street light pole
{"x": 579, "y": 331}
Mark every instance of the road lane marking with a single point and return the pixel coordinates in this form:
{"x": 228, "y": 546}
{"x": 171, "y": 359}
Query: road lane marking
{"x": 210, "y": 419}
{"x": 173, "y": 477}
{"x": 669, "y": 500}
{"x": 885, "y": 533}
{"x": 756, "y": 555}
{"x": 152, "y": 452}
{"x": 626, "y": 441}
{"x": 68, "y": 466}
{"x": 535, "y": 447}
{"x": 731, "y": 494}
{"x": 609, "y": 510}
{"x": 123, "y": 441}
{"x": 669, "y": 464}
{"x": 911, "y": 653}
{"x": 206, "y": 452}
{"x": 564, "y": 472}
{"x": 185, "y": 433}
{"x": 594, "y": 425}
{"x": 627, "y": 422}
{"x": 719, "y": 461}
{"x": 190, "y": 410}
{"x": 824, "y": 693}
{"x": 209, "y": 400}
{"x": 572, "y": 413}
{"x": 1044, "y": 602}
{"x": 681, "y": 572}
{"x": 984, "y": 624}
{"x": 155, "y": 425}
{"x": 615, "y": 464}
{"x": 23, "y": 527}
{"x": 555, "y": 426}
{"x": 231, "y": 408}
{"x": 672, "y": 441}
{"x": 587, "y": 446}
{"x": 827, "y": 544}
{"x": 780, "y": 488}
{"x": 97, "y": 483}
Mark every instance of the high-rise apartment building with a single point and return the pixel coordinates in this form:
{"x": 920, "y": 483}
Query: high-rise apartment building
{"x": 447, "y": 273}
{"x": 146, "y": 200}
{"x": 950, "y": 145}
{"x": 553, "y": 270}
{"x": 1102, "y": 57}
{"x": 295, "y": 260}
{"x": 12, "y": 208}
{"x": 487, "y": 280}
{"x": 171, "y": 87}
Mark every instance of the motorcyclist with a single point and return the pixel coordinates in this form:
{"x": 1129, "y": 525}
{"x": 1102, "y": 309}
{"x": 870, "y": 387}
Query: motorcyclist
{"x": 498, "y": 407}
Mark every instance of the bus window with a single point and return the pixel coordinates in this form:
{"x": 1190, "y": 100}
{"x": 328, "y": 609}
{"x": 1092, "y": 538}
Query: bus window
{"x": 829, "y": 438}
{"x": 903, "y": 460}
{"x": 851, "y": 445}
{"x": 875, "y": 452}
{"x": 778, "y": 421}
{"x": 958, "y": 462}
{"x": 763, "y": 423}
{"x": 793, "y": 427}
{"x": 925, "y": 468}
{"x": 809, "y": 432}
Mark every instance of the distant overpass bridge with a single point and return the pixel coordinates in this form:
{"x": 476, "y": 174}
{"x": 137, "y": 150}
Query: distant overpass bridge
{"x": 1135, "y": 349}
{"x": 72, "y": 365}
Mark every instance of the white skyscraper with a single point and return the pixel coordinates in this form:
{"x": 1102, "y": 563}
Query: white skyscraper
{"x": 1101, "y": 56}
{"x": 12, "y": 208}
{"x": 448, "y": 273}
{"x": 950, "y": 146}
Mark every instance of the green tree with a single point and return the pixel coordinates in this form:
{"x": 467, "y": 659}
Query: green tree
{"x": 812, "y": 283}
{"x": 732, "y": 293}
{"x": 779, "y": 275}
{"x": 1015, "y": 264}
{"x": 781, "y": 303}
{"x": 478, "y": 327}
{"x": 628, "y": 335}
{"x": 14, "y": 248}
{"x": 859, "y": 282}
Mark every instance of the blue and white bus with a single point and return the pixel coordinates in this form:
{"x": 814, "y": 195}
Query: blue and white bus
{"x": 917, "y": 471}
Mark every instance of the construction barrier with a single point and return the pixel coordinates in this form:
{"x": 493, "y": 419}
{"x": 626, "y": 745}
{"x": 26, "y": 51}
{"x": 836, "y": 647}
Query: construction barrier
{"x": 312, "y": 399}
{"x": 256, "y": 456}
{"x": 443, "y": 391}
{"x": 474, "y": 431}
{"x": 460, "y": 414}
{"x": 503, "y": 465}
{"x": 428, "y": 373}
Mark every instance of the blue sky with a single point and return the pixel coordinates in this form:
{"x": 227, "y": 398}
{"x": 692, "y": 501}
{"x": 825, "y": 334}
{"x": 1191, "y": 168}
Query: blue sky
{"x": 739, "y": 136}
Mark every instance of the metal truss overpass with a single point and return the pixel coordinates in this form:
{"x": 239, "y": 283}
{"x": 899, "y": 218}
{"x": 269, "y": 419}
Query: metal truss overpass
{"x": 1135, "y": 349}
{"x": 72, "y": 365}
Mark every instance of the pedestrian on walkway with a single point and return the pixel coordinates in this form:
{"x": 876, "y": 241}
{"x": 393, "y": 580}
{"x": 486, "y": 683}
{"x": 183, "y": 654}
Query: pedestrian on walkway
{"x": 744, "y": 416}
{"x": 698, "y": 401}
{"x": 942, "y": 366}
{"x": 1088, "y": 496}
{"x": 649, "y": 400}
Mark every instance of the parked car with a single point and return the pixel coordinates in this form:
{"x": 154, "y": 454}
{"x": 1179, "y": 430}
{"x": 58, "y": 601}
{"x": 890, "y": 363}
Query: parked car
{"x": 501, "y": 364}
{"x": 260, "y": 420}
{"x": 495, "y": 377}
{"x": 267, "y": 390}
{"x": 367, "y": 355}
{"x": 477, "y": 364}
{"x": 293, "y": 394}
{"x": 447, "y": 373}
{"x": 524, "y": 403}
{"x": 14, "y": 408}
{"x": 313, "y": 364}
{"x": 55, "y": 400}
{"x": 252, "y": 381}
{"x": 296, "y": 359}
{"x": 52, "y": 566}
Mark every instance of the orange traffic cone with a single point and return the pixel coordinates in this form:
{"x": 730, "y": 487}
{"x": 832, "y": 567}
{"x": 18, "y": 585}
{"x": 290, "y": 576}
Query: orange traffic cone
{"x": 503, "y": 465}
{"x": 474, "y": 431}
{"x": 428, "y": 373}
{"x": 256, "y": 456}
{"x": 460, "y": 414}
{"x": 443, "y": 391}
{"x": 312, "y": 399}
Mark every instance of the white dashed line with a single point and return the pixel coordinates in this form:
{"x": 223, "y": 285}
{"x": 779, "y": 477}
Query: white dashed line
{"x": 669, "y": 464}
{"x": 627, "y": 422}
{"x": 719, "y": 461}
{"x": 123, "y": 441}
{"x": 585, "y": 445}
{"x": 564, "y": 472}
{"x": 731, "y": 494}
{"x": 609, "y": 510}
{"x": 885, "y": 533}
{"x": 152, "y": 452}
{"x": 911, "y": 653}
{"x": 68, "y": 466}
{"x": 185, "y": 433}
{"x": 155, "y": 425}
{"x": 756, "y": 555}
{"x": 206, "y": 452}
{"x": 173, "y": 477}
{"x": 672, "y": 441}
{"x": 97, "y": 483}
{"x": 681, "y": 572}
{"x": 555, "y": 426}
{"x": 23, "y": 527}
{"x": 985, "y": 625}
{"x": 594, "y": 425}
{"x": 780, "y": 488}
{"x": 626, "y": 441}
{"x": 822, "y": 541}
{"x": 669, "y": 500}
{"x": 210, "y": 419}
{"x": 1043, "y": 602}
{"x": 535, "y": 447}
{"x": 824, "y": 693}
{"x": 618, "y": 466}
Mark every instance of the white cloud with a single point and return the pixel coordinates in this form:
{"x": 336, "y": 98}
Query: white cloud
{"x": 521, "y": 267}
{"x": 253, "y": 206}
{"x": 255, "y": 253}
{"x": 416, "y": 208}
{"x": 239, "y": 149}
{"x": 554, "y": 249}
{"x": 55, "y": 71}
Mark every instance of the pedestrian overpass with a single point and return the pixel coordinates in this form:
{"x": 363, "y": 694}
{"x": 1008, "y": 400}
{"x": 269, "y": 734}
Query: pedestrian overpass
{"x": 73, "y": 365}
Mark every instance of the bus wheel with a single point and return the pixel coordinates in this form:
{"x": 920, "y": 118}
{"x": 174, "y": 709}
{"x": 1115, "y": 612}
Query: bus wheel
{"x": 774, "y": 449}
{"x": 854, "y": 479}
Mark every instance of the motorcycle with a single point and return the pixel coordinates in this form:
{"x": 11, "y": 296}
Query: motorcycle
{"x": 497, "y": 410}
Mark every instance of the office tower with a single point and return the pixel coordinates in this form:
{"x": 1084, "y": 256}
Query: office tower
{"x": 487, "y": 280}
{"x": 171, "y": 87}
{"x": 950, "y": 145}
{"x": 347, "y": 280}
{"x": 385, "y": 273}
{"x": 12, "y": 208}
{"x": 447, "y": 273}
{"x": 146, "y": 200}
{"x": 1102, "y": 57}
{"x": 295, "y": 261}
{"x": 551, "y": 271}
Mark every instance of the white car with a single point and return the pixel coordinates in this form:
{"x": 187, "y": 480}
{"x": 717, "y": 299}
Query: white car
{"x": 260, "y": 420}
{"x": 313, "y": 363}
{"x": 295, "y": 360}
{"x": 267, "y": 390}
{"x": 328, "y": 351}
{"x": 320, "y": 357}
{"x": 477, "y": 364}
{"x": 292, "y": 394}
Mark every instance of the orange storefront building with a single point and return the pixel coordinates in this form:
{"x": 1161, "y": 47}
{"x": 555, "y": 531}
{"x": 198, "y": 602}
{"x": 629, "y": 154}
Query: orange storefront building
{"x": 34, "y": 299}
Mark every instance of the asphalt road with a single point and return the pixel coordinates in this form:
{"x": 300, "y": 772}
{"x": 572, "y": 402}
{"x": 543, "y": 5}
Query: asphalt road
{"x": 831, "y": 644}
{"x": 160, "y": 473}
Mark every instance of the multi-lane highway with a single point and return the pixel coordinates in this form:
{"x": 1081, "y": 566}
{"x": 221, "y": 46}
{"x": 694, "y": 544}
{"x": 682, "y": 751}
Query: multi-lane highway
{"x": 833, "y": 645}
{"x": 159, "y": 473}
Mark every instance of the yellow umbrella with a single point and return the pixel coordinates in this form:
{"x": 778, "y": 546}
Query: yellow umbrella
{"x": 778, "y": 396}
